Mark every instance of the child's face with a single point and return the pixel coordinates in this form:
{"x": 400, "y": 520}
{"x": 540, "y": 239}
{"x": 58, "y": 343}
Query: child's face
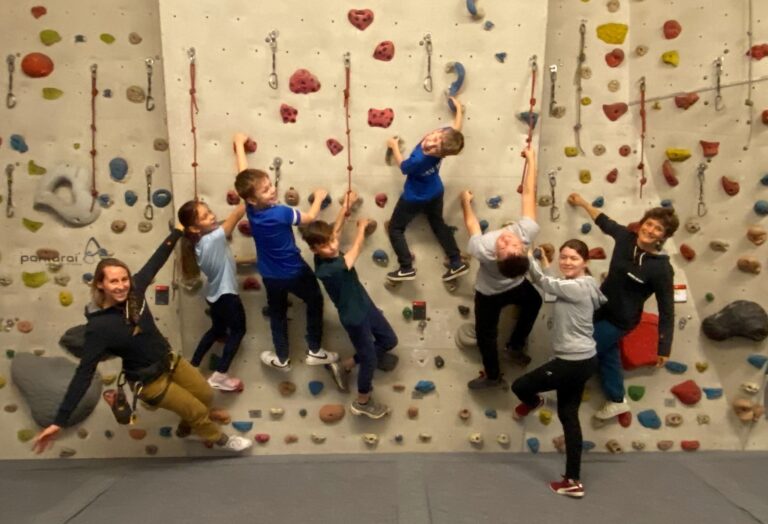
{"x": 328, "y": 250}
{"x": 265, "y": 193}
{"x": 206, "y": 219}
{"x": 432, "y": 144}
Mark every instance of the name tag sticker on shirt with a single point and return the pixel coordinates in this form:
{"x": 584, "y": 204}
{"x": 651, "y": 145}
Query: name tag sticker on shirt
{"x": 681, "y": 293}
{"x": 161, "y": 295}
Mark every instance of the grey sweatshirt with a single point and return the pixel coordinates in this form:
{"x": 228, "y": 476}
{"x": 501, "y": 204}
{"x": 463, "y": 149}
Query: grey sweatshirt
{"x": 577, "y": 300}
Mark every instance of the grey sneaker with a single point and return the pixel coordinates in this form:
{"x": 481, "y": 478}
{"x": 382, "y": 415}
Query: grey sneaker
{"x": 370, "y": 409}
{"x": 483, "y": 382}
{"x": 340, "y": 376}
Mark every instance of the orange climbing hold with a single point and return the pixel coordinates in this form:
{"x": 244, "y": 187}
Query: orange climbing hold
{"x": 38, "y": 11}
{"x": 614, "y": 58}
{"x": 37, "y": 65}
{"x": 731, "y": 187}
{"x": 597, "y": 253}
{"x": 670, "y": 175}
{"x": 758, "y": 51}
{"x": 710, "y": 149}
{"x": 638, "y": 347}
{"x": 612, "y": 175}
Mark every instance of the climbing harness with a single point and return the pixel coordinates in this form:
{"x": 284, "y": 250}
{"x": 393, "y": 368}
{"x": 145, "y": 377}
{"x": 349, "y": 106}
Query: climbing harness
{"x": 94, "y": 94}
{"x": 749, "y": 102}
{"x": 94, "y": 249}
{"x": 272, "y": 41}
{"x": 150, "y": 101}
{"x": 276, "y": 163}
{"x": 9, "y": 211}
{"x": 644, "y": 121}
{"x": 701, "y": 210}
{"x": 719, "y": 106}
{"x": 193, "y": 111}
{"x": 552, "y": 87}
{"x": 554, "y": 211}
{"x": 10, "y": 99}
{"x": 427, "y": 43}
{"x": 149, "y": 211}
{"x": 577, "y": 81}
{"x": 347, "y": 76}
{"x": 534, "y": 70}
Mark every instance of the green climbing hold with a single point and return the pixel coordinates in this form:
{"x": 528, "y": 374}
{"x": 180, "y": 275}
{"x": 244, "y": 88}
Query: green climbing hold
{"x": 407, "y": 313}
{"x": 10, "y": 353}
{"x": 32, "y": 225}
{"x": 107, "y": 38}
{"x": 34, "y": 169}
{"x": 52, "y": 93}
{"x": 49, "y": 37}
{"x": 709, "y": 297}
{"x": 25, "y": 435}
{"x": 636, "y": 392}
{"x": 34, "y": 279}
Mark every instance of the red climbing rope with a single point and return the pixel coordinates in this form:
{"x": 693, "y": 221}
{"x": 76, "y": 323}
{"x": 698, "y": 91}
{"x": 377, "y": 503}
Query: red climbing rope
{"x": 641, "y": 165}
{"x": 193, "y": 110}
{"x": 531, "y": 123}
{"x": 94, "y": 94}
{"x": 347, "y": 67}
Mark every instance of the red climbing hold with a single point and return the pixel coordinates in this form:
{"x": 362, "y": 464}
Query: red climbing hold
{"x": 250, "y": 145}
{"x": 710, "y": 149}
{"x": 380, "y": 117}
{"x": 303, "y": 82}
{"x": 381, "y": 199}
{"x": 261, "y": 438}
{"x": 244, "y": 227}
{"x": 689, "y": 445}
{"x": 687, "y": 252}
{"x": 38, "y": 11}
{"x": 687, "y": 392}
{"x": 638, "y": 347}
{"x": 360, "y": 18}
{"x": 37, "y": 65}
{"x": 687, "y": 100}
{"x": 232, "y": 197}
{"x": 614, "y": 58}
{"x": 758, "y": 52}
{"x": 625, "y": 150}
{"x": 251, "y": 284}
{"x": 614, "y": 111}
{"x": 731, "y": 187}
{"x": 625, "y": 419}
{"x": 385, "y": 51}
{"x": 288, "y": 114}
{"x": 612, "y": 176}
{"x": 765, "y": 117}
{"x": 672, "y": 29}
{"x": 597, "y": 253}
{"x": 669, "y": 173}
{"x": 334, "y": 146}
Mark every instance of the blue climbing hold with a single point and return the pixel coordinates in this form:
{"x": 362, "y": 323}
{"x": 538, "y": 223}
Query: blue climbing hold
{"x": 326, "y": 202}
{"x": 666, "y": 202}
{"x": 455, "y": 87}
{"x": 761, "y": 207}
{"x": 586, "y": 228}
{"x": 675, "y": 367}
{"x": 380, "y": 257}
{"x": 131, "y": 198}
{"x": 315, "y": 387}
{"x": 161, "y": 197}
{"x": 764, "y": 180}
{"x": 166, "y": 431}
{"x": 484, "y": 225}
{"x": 242, "y": 425}
{"x": 107, "y": 93}
{"x": 713, "y": 393}
{"x": 424, "y": 386}
{"x": 491, "y": 413}
{"x": 19, "y": 144}
{"x": 118, "y": 169}
{"x": 501, "y": 56}
{"x": 649, "y": 419}
{"x": 588, "y": 445}
{"x": 105, "y": 200}
{"x": 494, "y": 202}
{"x": 87, "y": 278}
{"x": 488, "y": 25}
{"x": 473, "y": 10}
{"x": 598, "y": 202}
{"x": 533, "y": 444}
{"x": 757, "y": 361}
{"x": 528, "y": 117}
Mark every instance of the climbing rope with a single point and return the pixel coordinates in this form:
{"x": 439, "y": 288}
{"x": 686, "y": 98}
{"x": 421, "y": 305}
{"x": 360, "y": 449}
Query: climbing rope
{"x": 150, "y": 101}
{"x": 10, "y": 98}
{"x": 347, "y": 72}
{"x": 193, "y": 110}
{"x": 531, "y": 123}
{"x": 94, "y": 93}
{"x": 749, "y": 102}
{"x": 9, "y": 209}
{"x": 577, "y": 80}
{"x": 644, "y": 120}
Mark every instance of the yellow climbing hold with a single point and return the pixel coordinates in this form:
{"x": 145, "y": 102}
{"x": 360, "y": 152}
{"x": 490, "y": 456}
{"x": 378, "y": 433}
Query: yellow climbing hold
{"x": 612, "y": 33}
{"x": 32, "y": 225}
{"x": 585, "y": 177}
{"x": 586, "y": 101}
{"x": 545, "y": 416}
{"x": 571, "y": 151}
{"x": 2, "y": 382}
{"x": 34, "y": 169}
{"x": 65, "y": 298}
{"x": 25, "y": 435}
{"x": 49, "y": 37}
{"x": 678, "y": 155}
{"x": 34, "y": 279}
{"x": 106, "y": 38}
{"x": 76, "y": 146}
{"x": 52, "y": 93}
{"x": 671, "y": 57}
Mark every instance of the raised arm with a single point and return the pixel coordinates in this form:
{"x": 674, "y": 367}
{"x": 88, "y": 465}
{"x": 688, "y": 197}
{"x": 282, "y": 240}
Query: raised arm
{"x": 458, "y": 118}
{"x": 351, "y": 255}
{"x": 232, "y": 220}
{"x": 470, "y": 219}
{"x": 528, "y": 207}
{"x": 239, "y": 141}
{"x": 394, "y": 144}
{"x": 568, "y": 290}
{"x": 349, "y": 200}
{"x": 143, "y": 277}
{"x": 576, "y": 200}
{"x": 314, "y": 210}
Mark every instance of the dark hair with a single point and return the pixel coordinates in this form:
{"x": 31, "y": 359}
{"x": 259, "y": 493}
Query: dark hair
{"x": 317, "y": 233}
{"x": 667, "y": 217}
{"x": 133, "y": 303}
{"x": 188, "y": 216}
{"x": 452, "y": 142}
{"x": 513, "y": 266}
{"x": 581, "y": 249}
{"x": 246, "y": 180}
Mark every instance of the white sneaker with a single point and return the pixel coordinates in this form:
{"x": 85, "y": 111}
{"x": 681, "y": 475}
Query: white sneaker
{"x": 270, "y": 359}
{"x": 224, "y": 382}
{"x": 612, "y": 409}
{"x": 236, "y": 443}
{"x": 321, "y": 357}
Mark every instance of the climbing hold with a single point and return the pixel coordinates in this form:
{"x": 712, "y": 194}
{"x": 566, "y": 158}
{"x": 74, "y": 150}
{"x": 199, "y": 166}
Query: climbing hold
{"x": 232, "y": 197}
{"x": 65, "y": 298}
{"x": 137, "y": 433}
{"x": 598, "y": 202}
{"x": 678, "y": 155}
{"x": 586, "y": 228}
{"x": 720, "y": 246}
{"x": 750, "y": 387}
{"x": 625, "y": 419}
{"x": 380, "y": 257}
{"x": 32, "y": 225}
{"x": 360, "y": 18}
{"x": 242, "y": 426}
{"x": 370, "y": 439}
{"x": 501, "y": 56}
{"x": 641, "y": 50}
{"x": 545, "y": 416}
{"x": 527, "y": 117}
{"x": 475, "y": 12}
{"x": 649, "y": 419}
{"x": 687, "y": 392}
{"x": 333, "y": 145}
{"x": 614, "y": 447}
{"x": 381, "y": 199}
{"x": 757, "y": 361}
{"x": 758, "y": 51}
{"x": 614, "y": 58}
{"x": 712, "y": 393}
{"x": 107, "y": 38}
{"x": 385, "y": 51}
{"x": 105, "y": 200}
{"x": 19, "y": 144}
{"x": 544, "y": 201}
{"x": 425, "y": 437}
{"x": 756, "y": 235}
{"x": 34, "y": 169}
{"x": 665, "y": 445}
{"x": 315, "y": 387}
{"x": 107, "y": 93}
{"x": 503, "y": 439}
{"x": 491, "y": 413}
{"x": 251, "y": 284}
{"x": 636, "y": 392}
{"x": 672, "y": 29}
{"x": 34, "y": 279}
{"x": 731, "y": 187}
{"x": 76, "y": 210}
{"x": 709, "y": 149}
{"x": 10, "y": 408}
{"x": 687, "y": 100}
{"x": 709, "y": 297}
{"x": 2, "y": 383}
{"x": 161, "y": 198}
{"x": 261, "y": 438}
{"x": 671, "y": 57}
{"x": 675, "y": 367}
{"x": 476, "y": 439}
{"x": 741, "y": 318}
{"x": 380, "y": 117}
{"x": 38, "y": 11}
{"x": 494, "y": 202}
{"x": 587, "y": 445}
{"x": 585, "y": 176}
{"x": 690, "y": 445}
{"x": 135, "y": 94}
{"x": 687, "y": 252}
{"x": 533, "y": 444}
{"x": 488, "y": 25}
{"x": 464, "y": 414}
{"x": 134, "y": 38}
{"x": 52, "y": 93}
{"x": 332, "y": 413}
{"x": 288, "y": 114}
{"x": 49, "y": 37}
{"x": 484, "y": 225}
{"x": 749, "y": 264}
{"x": 131, "y": 198}
{"x": 597, "y": 253}
{"x": 37, "y": 65}
{"x": 586, "y": 101}
{"x": 276, "y": 413}
{"x": 286, "y": 388}
{"x": 109, "y": 434}
{"x": 612, "y": 33}
{"x": 424, "y": 386}
{"x": 398, "y": 387}
{"x": 612, "y": 175}
{"x": 571, "y": 151}
{"x": 317, "y": 439}
{"x": 118, "y": 169}
{"x": 598, "y": 150}
{"x": 145, "y": 226}
{"x": 625, "y": 150}
{"x": 464, "y": 311}
{"x": 303, "y": 82}
{"x": 160, "y": 144}
{"x": 439, "y": 362}
{"x": 764, "y": 117}
{"x": 638, "y": 445}
{"x": 613, "y": 86}
{"x": 25, "y": 435}
{"x": 692, "y": 225}
{"x": 79, "y": 39}
{"x": 302, "y": 412}
{"x": 761, "y": 207}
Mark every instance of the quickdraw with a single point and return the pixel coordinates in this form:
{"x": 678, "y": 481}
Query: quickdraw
{"x": 10, "y": 98}
{"x": 749, "y": 102}
{"x": 701, "y": 210}
{"x": 577, "y": 81}
{"x": 94, "y": 94}
{"x": 719, "y": 106}
{"x": 277, "y": 162}
{"x": 644, "y": 122}
{"x": 552, "y": 86}
{"x": 149, "y": 211}
{"x": 9, "y": 210}
{"x": 554, "y": 211}
{"x": 348, "y": 76}
{"x": 150, "y": 100}
{"x": 272, "y": 41}
{"x": 193, "y": 110}
{"x": 427, "y": 43}
{"x": 534, "y": 70}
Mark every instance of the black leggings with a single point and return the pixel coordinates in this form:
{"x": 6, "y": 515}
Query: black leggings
{"x": 228, "y": 317}
{"x": 567, "y": 377}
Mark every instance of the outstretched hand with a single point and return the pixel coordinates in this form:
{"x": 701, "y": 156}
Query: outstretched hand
{"x": 45, "y": 438}
{"x": 576, "y": 199}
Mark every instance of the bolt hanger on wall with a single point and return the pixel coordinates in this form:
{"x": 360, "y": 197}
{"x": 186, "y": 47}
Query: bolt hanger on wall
{"x": 9, "y": 209}
{"x": 719, "y": 106}
{"x": 701, "y": 210}
{"x": 272, "y": 41}
{"x": 150, "y": 100}
{"x": 427, "y": 43}
{"x": 554, "y": 211}
{"x": 10, "y": 98}
{"x": 149, "y": 211}
{"x": 577, "y": 81}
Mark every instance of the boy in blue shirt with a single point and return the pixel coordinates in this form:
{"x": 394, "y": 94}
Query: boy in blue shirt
{"x": 423, "y": 193}
{"x": 370, "y": 333}
{"x": 279, "y": 261}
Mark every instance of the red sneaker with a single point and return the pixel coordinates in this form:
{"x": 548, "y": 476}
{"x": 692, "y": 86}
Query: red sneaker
{"x": 522, "y": 410}
{"x": 567, "y": 487}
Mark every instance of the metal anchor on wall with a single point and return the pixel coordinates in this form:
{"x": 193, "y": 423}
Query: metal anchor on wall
{"x": 10, "y": 99}
{"x": 272, "y": 41}
{"x": 150, "y": 100}
{"x": 427, "y": 43}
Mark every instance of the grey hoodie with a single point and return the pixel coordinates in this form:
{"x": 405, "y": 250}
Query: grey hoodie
{"x": 577, "y": 300}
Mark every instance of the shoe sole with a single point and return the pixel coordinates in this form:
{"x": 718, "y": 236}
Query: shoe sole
{"x": 315, "y": 361}
{"x": 224, "y": 389}
{"x": 567, "y": 494}
{"x": 401, "y": 279}
{"x": 609, "y": 417}
{"x": 358, "y": 412}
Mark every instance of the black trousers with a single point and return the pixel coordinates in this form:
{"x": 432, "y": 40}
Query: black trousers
{"x": 567, "y": 377}
{"x": 228, "y": 317}
{"x": 487, "y": 311}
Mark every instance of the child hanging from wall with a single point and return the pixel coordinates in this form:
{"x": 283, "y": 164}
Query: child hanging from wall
{"x": 279, "y": 261}
{"x": 575, "y": 360}
{"x": 370, "y": 333}
{"x": 205, "y": 245}
{"x": 423, "y": 193}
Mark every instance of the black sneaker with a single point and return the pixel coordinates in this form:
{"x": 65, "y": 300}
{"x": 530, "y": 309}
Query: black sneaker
{"x": 401, "y": 275}
{"x": 456, "y": 272}
{"x": 483, "y": 382}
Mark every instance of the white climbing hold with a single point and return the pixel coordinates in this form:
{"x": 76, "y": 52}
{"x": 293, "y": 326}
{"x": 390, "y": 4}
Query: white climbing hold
{"x": 77, "y": 210}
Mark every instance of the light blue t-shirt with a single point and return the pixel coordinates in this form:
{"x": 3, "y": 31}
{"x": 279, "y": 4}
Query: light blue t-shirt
{"x": 422, "y": 172}
{"x": 217, "y": 263}
{"x": 276, "y": 251}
